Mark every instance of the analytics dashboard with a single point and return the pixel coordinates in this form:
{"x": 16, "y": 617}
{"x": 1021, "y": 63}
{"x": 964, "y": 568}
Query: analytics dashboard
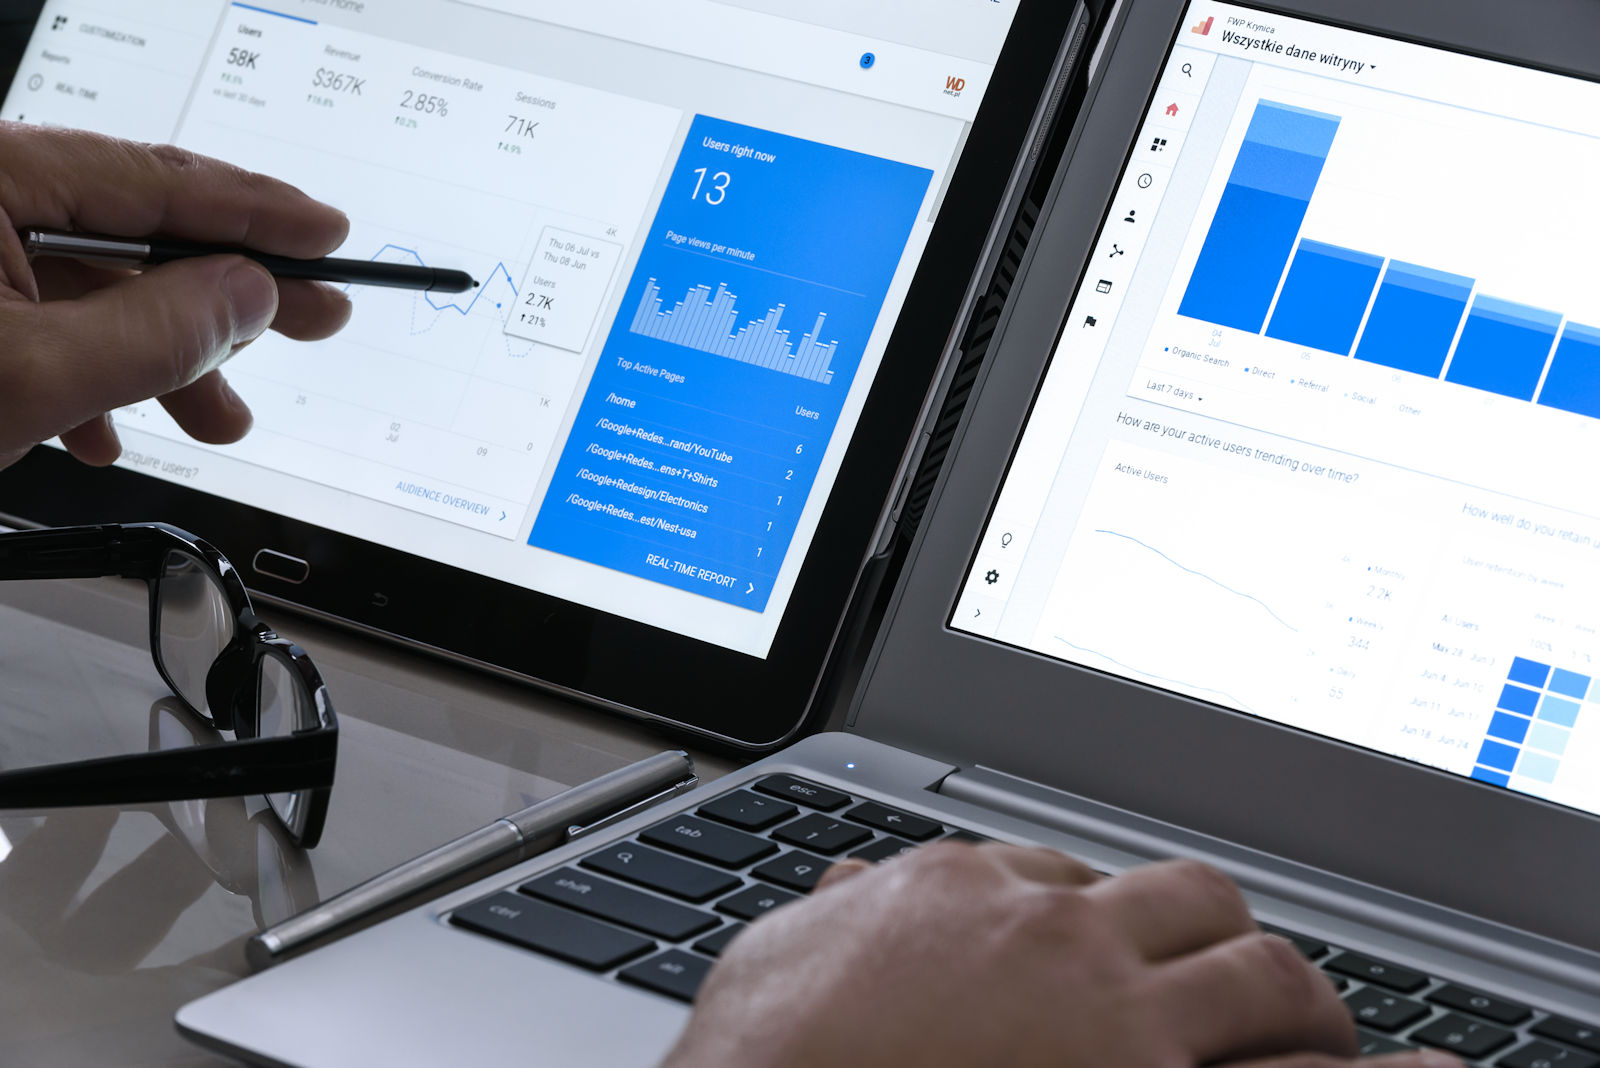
{"x": 692, "y": 224}
{"x": 1313, "y": 444}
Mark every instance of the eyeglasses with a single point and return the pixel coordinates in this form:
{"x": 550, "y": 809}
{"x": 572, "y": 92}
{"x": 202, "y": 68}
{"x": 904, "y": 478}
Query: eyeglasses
{"x": 222, "y": 662}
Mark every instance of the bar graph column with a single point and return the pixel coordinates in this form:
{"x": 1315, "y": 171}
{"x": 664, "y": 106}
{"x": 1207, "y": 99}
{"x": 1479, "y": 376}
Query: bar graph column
{"x": 1503, "y": 347}
{"x": 1325, "y": 296}
{"x": 1414, "y": 318}
{"x": 1573, "y": 384}
{"x": 1259, "y": 216}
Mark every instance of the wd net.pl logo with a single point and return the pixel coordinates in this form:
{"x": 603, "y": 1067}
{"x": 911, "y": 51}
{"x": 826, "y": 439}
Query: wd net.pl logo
{"x": 954, "y": 85}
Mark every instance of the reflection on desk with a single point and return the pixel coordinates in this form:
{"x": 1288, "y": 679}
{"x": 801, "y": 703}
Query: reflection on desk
{"x": 112, "y": 918}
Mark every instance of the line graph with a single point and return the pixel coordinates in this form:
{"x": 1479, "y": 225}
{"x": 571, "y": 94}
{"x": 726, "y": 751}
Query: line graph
{"x": 1202, "y": 575}
{"x": 1190, "y": 686}
{"x": 500, "y": 270}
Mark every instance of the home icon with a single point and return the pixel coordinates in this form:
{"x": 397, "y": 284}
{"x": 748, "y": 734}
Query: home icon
{"x": 1172, "y": 110}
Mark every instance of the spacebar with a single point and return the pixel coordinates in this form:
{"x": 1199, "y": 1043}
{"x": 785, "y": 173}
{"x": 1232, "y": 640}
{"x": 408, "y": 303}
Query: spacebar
{"x": 552, "y": 930}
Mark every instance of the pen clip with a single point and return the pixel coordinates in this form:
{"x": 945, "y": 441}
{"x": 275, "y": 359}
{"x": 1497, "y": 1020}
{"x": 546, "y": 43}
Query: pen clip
{"x": 578, "y": 831}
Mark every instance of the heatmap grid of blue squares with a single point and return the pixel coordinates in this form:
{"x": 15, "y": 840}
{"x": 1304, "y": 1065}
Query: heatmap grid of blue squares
{"x": 1532, "y": 724}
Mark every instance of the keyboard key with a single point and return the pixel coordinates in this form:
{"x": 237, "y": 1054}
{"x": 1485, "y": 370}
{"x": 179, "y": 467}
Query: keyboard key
{"x": 657, "y": 870}
{"x": 822, "y": 834}
{"x": 674, "y": 973}
{"x": 1340, "y": 983}
{"x": 551, "y": 930}
{"x": 756, "y": 901}
{"x": 748, "y": 811}
{"x": 1490, "y": 1008}
{"x": 615, "y": 902}
{"x": 894, "y": 821}
{"x": 882, "y": 849}
{"x": 1584, "y": 1036}
{"x": 807, "y": 793}
{"x": 1376, "y": 1045}
{"x": 1371, "y": 970}
{"x": 1383, "y": 1012}
{"x": 1547, "y": 1055}
{"x": 1310, "y": 948}
{"x": 796, "y": 870}
{"x": 708, "y": 841}
{"x": 1463, "y": 1035}
{"x": 717, "y": 941}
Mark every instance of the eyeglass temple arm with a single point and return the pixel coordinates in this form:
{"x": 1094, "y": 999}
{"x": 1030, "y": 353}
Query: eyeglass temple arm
{"x": 76, "y": 552}
{"x": 224, "y": 769}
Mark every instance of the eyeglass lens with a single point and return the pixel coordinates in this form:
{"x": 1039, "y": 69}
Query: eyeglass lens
{"x": 194, "y": 624}
{"x": 284, "y": 708}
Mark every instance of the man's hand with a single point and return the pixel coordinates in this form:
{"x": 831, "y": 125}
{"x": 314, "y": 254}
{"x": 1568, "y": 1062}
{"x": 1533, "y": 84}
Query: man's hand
{"x": 999, "y": 955}
{"x": 77, "y": 342}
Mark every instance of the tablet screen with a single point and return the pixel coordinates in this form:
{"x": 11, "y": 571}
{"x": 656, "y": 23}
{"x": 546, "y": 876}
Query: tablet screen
{"x": 1313, "y": 443}
{"x": 692, "y": 224}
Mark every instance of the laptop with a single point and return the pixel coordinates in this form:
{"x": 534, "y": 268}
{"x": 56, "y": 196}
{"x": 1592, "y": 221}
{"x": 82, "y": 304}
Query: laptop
{"x": 1266, "y": 538}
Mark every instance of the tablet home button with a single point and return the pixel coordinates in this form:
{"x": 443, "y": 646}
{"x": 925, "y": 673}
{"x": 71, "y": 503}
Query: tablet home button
{"x": 281, "y": 566}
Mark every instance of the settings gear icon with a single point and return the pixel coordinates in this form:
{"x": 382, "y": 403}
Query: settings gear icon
{"x": 992, "y": 577}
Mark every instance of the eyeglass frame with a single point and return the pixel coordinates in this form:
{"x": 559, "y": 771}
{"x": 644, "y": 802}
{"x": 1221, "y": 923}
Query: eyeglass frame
{"x": 301, "y": 761}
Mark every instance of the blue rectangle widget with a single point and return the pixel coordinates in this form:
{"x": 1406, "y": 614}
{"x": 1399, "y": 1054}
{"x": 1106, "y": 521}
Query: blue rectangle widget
{"x": 1518, "y": 700}
{"x": 1499, "y": 778}
{"x": 1568, "y": 683}
{"x": 1503, "y": 347}
{"x": 1414, "y": 319}
{"x": 1558, "y": 710}
{"x": 1529, "y": 672}
{"x": 1259, "y": 216}
{"x": 1498, "y": 755}
{"x": 1508, "y": 728}
{"x": 1324, "y": 297}
{"x": 1537, "y": 766}
{"x": 1549, "y": 737}
{"x": 1573, "y": 381}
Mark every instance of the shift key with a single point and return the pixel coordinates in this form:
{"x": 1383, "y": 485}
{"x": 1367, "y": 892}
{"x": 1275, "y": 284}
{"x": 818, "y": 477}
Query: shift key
{"x": 708, "y": 841}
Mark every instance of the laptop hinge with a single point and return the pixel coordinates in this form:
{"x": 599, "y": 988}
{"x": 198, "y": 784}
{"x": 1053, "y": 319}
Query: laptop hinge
{"x": 1301, "y": 885}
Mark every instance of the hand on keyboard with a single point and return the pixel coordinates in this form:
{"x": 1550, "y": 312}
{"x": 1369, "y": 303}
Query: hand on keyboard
{"x": 80, "y": 341}
{"x": 996, "y": 954}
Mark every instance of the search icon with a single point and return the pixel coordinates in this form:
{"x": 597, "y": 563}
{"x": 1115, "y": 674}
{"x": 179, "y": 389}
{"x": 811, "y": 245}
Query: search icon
{"x": 1188, "y": 70}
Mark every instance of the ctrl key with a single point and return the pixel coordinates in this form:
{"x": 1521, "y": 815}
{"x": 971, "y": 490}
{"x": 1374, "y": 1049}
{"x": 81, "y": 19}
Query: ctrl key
{"x": 674, "y": 973}
{"x": 552, "y": 931}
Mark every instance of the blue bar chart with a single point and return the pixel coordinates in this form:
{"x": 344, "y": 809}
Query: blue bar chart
{"x": 1257, "y": 272}
{"x": 1259, "y": 216}
{"x": 1538, "y": 708}
{"x": 706, "y": 321}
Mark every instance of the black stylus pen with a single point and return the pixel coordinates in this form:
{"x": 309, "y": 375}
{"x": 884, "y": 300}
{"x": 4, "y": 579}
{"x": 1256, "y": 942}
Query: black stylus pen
{"x": 148, "y": 252}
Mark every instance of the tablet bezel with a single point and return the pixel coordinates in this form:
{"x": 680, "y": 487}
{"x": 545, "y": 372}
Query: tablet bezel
{"x": 716, "y": 694}
{"x": 973, "y": 701}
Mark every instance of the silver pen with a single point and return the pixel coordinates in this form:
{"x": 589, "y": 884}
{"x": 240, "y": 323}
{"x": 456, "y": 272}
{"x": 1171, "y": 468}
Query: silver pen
{"x": 536, "y": 829}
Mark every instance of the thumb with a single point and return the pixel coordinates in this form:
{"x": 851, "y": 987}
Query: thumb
{"x": 68, "y": 361}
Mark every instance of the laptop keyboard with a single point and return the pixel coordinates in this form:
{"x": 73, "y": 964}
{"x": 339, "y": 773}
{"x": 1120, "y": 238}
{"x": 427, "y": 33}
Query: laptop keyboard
{"x": 655, "y": 910}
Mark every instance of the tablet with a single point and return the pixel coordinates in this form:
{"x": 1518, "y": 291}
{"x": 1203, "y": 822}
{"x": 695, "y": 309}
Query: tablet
{"x": 722, "y": 246}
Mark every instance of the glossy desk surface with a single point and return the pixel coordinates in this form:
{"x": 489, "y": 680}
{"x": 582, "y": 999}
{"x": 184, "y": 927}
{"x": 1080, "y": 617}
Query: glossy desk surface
{"x": 112, "y": 918}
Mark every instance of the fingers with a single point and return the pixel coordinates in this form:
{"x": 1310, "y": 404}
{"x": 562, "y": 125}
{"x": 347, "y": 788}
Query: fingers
{"x": 78, "y": 180}
{"x": 841, "y": 871}
{"x": 1253, "y": 994}
{"x": 209, "y": 410}
{"x": 95, "y": 441}
{"x": 1041, "y": 864}
{"x": 144, "y": 336}
{"x": 1174, "y": 908}
{"x": 310, "y": 311}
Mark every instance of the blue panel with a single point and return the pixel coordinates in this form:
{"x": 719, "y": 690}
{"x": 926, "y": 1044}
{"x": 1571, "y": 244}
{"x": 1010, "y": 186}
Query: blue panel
{"x": 1516, "y": 699}
{"x": 1414, "y": 319}
{"x": 1529, "y": 672}
{"x": 1324, "y": 297}
{"x": 1557, "y": 710}
{"x": 1573, "y": 384}
{"x": 700, "y": 434}
{"x": 1549, "y": 737}
{"x": 1259, "y": 216}
{"x": 1508, "y": 728}
{"x": 1538, "y": 767}
{"x": 1498, "y": 755}
{"x": 1499, "y": 778}
{"x": 1503, "y": 347}
{"x": 1569, "y": 684}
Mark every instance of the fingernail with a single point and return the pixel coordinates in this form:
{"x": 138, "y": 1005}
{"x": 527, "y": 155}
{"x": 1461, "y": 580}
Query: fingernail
{"x": 253, "y": 300}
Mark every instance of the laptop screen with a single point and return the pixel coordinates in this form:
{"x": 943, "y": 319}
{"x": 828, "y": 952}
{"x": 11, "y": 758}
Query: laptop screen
{"x": 693, "y": 224}
{"x": 1316, "y": 440}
